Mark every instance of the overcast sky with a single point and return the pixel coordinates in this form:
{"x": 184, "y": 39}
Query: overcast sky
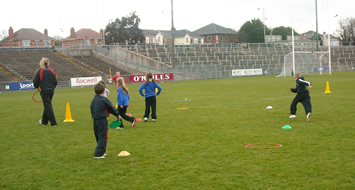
{"x": 59, "y": 16}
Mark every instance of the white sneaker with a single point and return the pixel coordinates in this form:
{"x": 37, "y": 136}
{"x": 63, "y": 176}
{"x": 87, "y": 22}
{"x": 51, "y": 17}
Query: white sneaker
{"x": 292, "y": 116}
{"x": 153, "y": 120}
{"x": 99, "y": 157}
{"x": 145, "y": 119}
{"x": 309, "y": 116}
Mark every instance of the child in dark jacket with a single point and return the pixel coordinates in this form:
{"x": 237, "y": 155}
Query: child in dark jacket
{"x": 302, "y": 96}
{"x": 150, "y": 96}
{"x": 100, "y": 108}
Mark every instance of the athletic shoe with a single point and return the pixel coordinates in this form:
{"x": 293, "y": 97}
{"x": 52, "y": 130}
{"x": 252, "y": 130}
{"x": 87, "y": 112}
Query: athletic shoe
{"x": 145, "y": 119}
{"x": 53, "y": 125}
{"x": 40, "y": 121}
{"x": 309, "y": 116}
{"x": 134, "y": 123}
{"x": 105, "y": 154}
{"x": 292, "y": 116}
{"x": 153, "y": 120}
{"x": 119, "y": 128}
{"x": 99, "y": 157}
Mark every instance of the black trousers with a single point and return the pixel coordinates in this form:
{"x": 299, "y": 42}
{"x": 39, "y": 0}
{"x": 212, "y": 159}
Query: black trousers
{"x": 122, "y": 112}
{"x": 305, "y": 99}
{"x": 100, "y": 130}
{"x": 48, "y": 113}
{"x": 150, "y": 102}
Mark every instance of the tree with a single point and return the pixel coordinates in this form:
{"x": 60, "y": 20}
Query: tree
{"x": 3, "y": 35}
{"x": 252, "y": 32}
{"x": 346, "y": 30}
{"x": 124, "y": 30}
{"x": 284, "y": 31}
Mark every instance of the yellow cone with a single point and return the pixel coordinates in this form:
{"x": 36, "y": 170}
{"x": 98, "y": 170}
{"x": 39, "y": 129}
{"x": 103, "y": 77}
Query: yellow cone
{"x": 68, "y": 114}
{"x": 327, "y": 89}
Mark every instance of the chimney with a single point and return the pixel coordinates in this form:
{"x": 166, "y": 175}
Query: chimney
{"x": 11, "y": 33}
{"x": 46, "y": 32}
{"x": 101, "y": 32}
{"x": 72, "y": 33}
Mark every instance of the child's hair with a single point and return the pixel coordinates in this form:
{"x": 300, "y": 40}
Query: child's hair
{"x": 149, "y": 77}
{"x": 44, "y": 63}
{"x": 103, "y": 83}
{"x": 99, "y": 88}
{"x": 297, "y": 75}
{"x": 121, "y": 84}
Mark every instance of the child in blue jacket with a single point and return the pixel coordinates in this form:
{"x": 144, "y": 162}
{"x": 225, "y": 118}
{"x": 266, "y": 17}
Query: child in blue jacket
{"x": 150, "y": 96}
{"x": 123, "y": 102}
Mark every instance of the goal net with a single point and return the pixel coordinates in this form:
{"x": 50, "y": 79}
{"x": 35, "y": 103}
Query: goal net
{"x": 305, "y": 62}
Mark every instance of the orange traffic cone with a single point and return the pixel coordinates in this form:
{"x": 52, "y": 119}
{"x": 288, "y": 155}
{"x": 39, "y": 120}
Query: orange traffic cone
{"x": 327, "y": 89}
{"x": 68, "y": 114}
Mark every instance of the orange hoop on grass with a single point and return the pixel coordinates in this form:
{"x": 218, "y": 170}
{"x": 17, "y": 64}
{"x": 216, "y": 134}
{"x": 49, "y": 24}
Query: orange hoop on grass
{"x": 253, "y": 145}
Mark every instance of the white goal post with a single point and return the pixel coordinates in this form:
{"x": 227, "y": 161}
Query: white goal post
{"x": 305, "y": 62}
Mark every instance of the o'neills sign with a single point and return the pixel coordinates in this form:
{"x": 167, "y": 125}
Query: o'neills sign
{"x": 156, "y": 77}
{"x": 84, "y": 81}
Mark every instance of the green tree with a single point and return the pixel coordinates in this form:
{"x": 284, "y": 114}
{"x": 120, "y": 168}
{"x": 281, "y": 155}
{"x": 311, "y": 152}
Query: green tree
{"x": 252, "y": 32}
{"x": 284, "y": 31}
{"x": 124, "y": 30}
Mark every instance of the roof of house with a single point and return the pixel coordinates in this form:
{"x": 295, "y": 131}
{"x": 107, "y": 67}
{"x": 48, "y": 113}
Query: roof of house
{"x": 28, "y": 34}
{"x": 182, "y": 33}
{"x": 86, "y": 33}
{"x": 167, "y": 33}
{"x": 214, "y": 29}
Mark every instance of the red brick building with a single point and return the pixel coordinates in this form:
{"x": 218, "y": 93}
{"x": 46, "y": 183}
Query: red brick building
{"x": 214, "y": 33}
{"x": 87, "y": 36}
{"x": 27, "y": 37}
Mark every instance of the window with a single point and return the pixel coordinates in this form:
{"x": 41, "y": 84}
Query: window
{"x": 26, "y": 43}
{"x": 209, "y": 38}
{"x": 221, "y": 38}
{"x": 47, "y": 43}
{"x": 37, "y": 43}
{"x": 187, "y": 40}
{"x": 226, "y": 37}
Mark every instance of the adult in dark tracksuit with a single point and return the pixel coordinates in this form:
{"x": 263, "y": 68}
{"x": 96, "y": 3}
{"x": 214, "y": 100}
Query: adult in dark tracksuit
{"x": 100, "y": 108}
{"x": 46, "y": 81}
{"x": 302, "y": 96}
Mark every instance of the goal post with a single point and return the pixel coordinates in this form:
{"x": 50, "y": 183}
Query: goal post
{"x": 305, "y": 62}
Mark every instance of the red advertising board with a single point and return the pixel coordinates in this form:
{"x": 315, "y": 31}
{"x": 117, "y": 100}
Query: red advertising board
{"x": 156, "y": 77}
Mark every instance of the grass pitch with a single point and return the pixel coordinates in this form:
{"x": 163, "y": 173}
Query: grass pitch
{"x": 197, "y": 141}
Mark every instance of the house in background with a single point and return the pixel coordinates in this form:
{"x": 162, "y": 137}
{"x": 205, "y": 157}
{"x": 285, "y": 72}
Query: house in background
{"x": 214, "y": 33}
{"x": 155, "y": 37}
{"x": 27, "y": 37}
{"x": 163, "y": 37}
{"x": 86, "y": 36}
{"x": 185, "y": 37}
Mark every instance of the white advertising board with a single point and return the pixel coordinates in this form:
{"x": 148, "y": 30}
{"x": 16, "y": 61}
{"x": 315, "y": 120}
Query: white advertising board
{"x": 84, "y": 81}
{"x": 247, "y": 72}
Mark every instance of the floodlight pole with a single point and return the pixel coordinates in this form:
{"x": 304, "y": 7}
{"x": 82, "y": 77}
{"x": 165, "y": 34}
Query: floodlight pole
{"x": 172, "y": 34}
{"x": 316, "y": 24}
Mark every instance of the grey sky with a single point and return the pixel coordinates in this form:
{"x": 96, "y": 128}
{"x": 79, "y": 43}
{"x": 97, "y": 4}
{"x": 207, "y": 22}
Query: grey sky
{"x": 156, "y": 14}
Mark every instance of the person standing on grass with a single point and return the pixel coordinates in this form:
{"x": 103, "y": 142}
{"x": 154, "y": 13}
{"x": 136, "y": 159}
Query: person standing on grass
{"x": 302, "y": 96}
{"x": 114, "y": 78}
{"x": 100, "y": 108}
{"x": 123, "y": 102}
{"x": 150, "y": 96}
{"x": 46, "y": 81}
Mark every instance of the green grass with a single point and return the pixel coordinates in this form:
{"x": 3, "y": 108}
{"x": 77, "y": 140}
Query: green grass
{"x": 201, "y": 147}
